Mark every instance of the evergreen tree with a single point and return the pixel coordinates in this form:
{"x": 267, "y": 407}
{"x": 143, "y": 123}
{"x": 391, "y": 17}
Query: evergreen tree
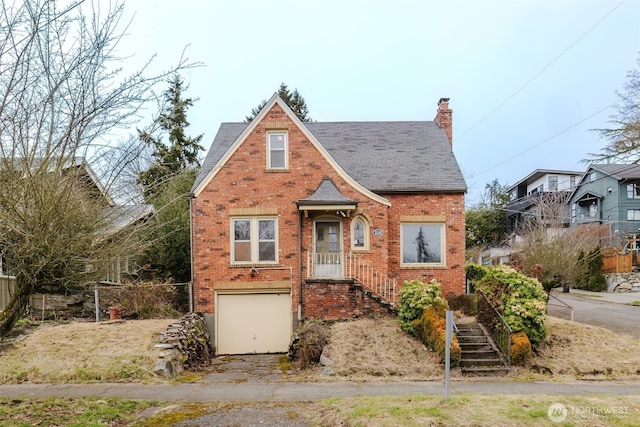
{"x": 294, "y": 100}
{"x": 166, "y": 185}
{"x": 182, "y": 151}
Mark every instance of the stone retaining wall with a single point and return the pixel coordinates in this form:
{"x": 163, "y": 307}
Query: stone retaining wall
{"x": 623, "y": 282}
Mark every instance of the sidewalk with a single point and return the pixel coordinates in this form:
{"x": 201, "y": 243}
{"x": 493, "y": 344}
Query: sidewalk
{"x": 617, "y": 297}
{"x": 291, "y": 391}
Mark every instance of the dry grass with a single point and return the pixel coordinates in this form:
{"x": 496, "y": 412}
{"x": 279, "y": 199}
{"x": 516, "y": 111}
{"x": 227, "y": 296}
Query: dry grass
{"x": 579, "y": 351}
{"x": 85, "y": 352}
{"x": 370, "y": 349}
{"x": 361, "y": 350}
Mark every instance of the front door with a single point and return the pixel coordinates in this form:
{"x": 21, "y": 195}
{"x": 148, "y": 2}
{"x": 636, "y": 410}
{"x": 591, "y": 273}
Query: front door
{"x": 327, "y": 254}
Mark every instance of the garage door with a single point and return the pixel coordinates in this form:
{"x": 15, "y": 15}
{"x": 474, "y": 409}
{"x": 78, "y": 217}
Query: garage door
{"x": 253, "y": 323}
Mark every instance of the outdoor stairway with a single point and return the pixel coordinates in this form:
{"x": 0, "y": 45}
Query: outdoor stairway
{"x": 479, "y": 357}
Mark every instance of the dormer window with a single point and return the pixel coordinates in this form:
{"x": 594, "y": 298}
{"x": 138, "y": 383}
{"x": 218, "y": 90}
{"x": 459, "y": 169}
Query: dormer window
{"x": 277, "y": 150}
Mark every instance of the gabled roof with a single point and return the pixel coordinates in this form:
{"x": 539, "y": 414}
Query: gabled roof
{"x": 618, "y": 171}
{"x": 326, "y": 194}
{"x": 379, "y": 157}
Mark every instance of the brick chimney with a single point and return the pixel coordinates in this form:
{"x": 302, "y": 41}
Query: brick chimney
{"x": 444, "y": 118}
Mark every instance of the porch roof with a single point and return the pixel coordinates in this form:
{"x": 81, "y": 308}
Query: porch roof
{"x": 326, "y": 196}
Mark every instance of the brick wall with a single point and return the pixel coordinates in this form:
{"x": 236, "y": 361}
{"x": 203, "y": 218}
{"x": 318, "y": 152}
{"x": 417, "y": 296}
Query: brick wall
{"x": 244, "y": 184}
{"x": 338, "y": 300}
{"x": 450, "y": 207}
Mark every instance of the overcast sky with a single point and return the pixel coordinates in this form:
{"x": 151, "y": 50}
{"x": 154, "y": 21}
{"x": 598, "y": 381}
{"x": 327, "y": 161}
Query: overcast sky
{"x": 527, "y": 79}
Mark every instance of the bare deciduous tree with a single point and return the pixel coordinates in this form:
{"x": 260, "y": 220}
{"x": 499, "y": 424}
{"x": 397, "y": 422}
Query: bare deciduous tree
{"x": 61, "y": 98}
{"x": 548, "y": 250}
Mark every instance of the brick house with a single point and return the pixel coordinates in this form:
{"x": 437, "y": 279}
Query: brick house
{"x": 295, "y": 221}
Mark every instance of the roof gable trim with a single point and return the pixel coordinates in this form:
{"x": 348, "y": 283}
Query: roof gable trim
{"x": 275, "y": 99}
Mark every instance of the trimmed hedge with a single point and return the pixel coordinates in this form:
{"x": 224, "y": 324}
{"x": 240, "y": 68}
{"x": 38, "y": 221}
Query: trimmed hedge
{"x": 415, "y": 296}
{"x": 520, "y": 299}
{"x": 431, "y": 329}
{"x": 520, "y": 348}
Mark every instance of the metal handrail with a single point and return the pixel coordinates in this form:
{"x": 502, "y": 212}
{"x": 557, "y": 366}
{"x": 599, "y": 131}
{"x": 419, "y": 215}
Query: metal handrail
{"x": 498, "y": 338}
{"x": 562, "y": 303}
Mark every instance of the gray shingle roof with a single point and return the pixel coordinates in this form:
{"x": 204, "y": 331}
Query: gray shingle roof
{"x": 326, "y": 193}
{"x": 619, "y": 171}
{"x": 384, "y": 157}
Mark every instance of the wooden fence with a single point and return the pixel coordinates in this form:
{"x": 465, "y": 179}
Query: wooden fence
{"x": 615, "y": 262}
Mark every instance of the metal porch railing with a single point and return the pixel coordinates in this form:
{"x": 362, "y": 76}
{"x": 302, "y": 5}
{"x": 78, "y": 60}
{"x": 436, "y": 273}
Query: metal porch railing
{"x": 351, "y": 266}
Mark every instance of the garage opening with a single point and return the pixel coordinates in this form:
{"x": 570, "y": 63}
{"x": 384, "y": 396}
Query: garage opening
{"x": 256, "y": 322}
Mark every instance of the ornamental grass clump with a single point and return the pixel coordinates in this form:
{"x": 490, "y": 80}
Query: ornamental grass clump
{"x": 521, "y": 300}
{"x": 415, "y": 296}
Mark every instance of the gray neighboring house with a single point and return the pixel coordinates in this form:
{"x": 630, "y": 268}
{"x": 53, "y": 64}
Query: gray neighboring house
{"x": 608, "y": 195}
{"x": 550, "y": 185}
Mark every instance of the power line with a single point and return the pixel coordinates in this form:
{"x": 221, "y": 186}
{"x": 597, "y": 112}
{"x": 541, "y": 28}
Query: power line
{"x": 490, "y": 113}
{"x": 547, "y": 139}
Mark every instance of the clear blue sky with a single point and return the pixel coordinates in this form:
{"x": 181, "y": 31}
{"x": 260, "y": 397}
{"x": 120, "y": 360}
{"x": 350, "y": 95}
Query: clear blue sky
{"x": 517, "y": 72}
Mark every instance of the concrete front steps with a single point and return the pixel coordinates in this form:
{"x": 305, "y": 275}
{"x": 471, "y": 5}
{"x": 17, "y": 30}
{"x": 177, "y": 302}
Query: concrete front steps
{"x": 479, "y": 357}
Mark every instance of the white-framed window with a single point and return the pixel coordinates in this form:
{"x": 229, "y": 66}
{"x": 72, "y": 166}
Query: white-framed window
{"x": 633, "y": 191}
{"x": 553, "y": 183}
{"x": 253, "y": 240}
{"x": 5, "y": 267}
{"x": 422, "y": 243}
{"x": 633, "y": 214}
{"x": 359, "y": 234}
{"x": 593, "y": 176}
{"x": 277, "y": 157}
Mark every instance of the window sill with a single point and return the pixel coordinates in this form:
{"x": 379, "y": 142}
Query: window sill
{"x": 278, "y": 170}
{"x": 254, "y": 264}
{"x": 424, "y": 267}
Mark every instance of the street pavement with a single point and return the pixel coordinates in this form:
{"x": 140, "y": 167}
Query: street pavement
{"x": 612, "y": 311}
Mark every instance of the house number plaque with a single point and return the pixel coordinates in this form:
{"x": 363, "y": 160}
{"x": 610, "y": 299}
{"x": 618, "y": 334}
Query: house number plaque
{"x": 377, "y": 232}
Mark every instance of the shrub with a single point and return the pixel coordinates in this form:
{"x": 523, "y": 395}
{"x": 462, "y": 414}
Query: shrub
{"x": 415, "y": 296}
{"x": 431, "y": 329}
{"x": 475, "y": 271}
{"x": 308, "y": 343}
{"x": 591, "y": 277}
{"x": 520, "y": 348}
{"x": 520, "y": 299}
{"x": 143, "y": 300}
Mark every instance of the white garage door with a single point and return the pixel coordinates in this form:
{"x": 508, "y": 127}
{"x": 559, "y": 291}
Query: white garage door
{"x": 253, "y": 323}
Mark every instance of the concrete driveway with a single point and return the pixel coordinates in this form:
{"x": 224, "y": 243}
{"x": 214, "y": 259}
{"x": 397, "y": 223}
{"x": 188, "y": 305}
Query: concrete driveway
{"x": 612, "y": 311}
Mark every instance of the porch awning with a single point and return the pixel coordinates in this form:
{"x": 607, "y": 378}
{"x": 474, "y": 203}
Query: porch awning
{"x": 327, "y": 197}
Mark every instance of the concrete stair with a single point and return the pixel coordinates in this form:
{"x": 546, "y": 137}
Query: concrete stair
{"x": 479, "y": 357}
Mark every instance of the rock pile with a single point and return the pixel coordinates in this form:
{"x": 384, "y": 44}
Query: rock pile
{"x": 185, "y": 344}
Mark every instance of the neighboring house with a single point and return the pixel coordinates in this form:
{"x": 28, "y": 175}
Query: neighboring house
{"x": 609, "y": 195}
{"x": 295, "y": 221}
{"x": 118, "y": 217}
{"x": 542, "y": 195}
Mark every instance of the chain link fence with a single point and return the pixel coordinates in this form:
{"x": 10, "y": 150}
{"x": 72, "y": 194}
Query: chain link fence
{"x": 107, "y": 301}
{"x": 142, "y": 300}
